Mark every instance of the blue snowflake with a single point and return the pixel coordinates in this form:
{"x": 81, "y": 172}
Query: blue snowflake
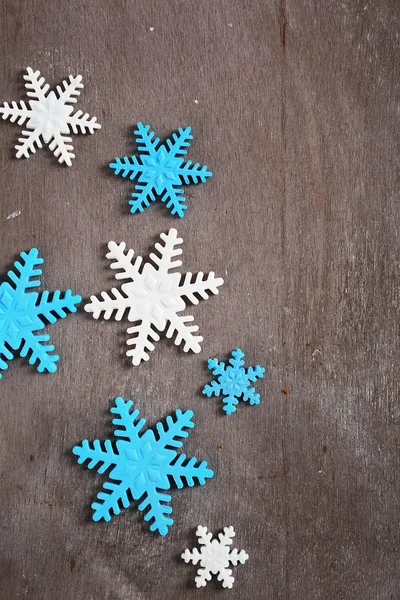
{"x": 142, "y": 464}
{"x": 233, "y": 381}
{"x": 22, "y": 313}
{"x": 160, "y": 169}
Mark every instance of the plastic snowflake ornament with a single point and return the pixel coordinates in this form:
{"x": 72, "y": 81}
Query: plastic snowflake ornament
{"x": 154, "y": 297}
{"x": 233, "y": 381}
{"x": 160, "y": 170}
{"x": 215, "y": 556}
{"x": 49, "y": 117}
{"x": 22, "y": 313}
{"x": 142, "y": 465}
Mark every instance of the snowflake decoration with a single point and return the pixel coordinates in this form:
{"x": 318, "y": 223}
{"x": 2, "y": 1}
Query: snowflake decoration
{"x": 154, "y": 296}
{"x": 50, "y": 117}
{"x": 142, "y": 465}
{"x": 215, "y": 557}
{"x": 160, "y": 170}
{"x": 22, "y": 313}
{"x": 233, "y": 381}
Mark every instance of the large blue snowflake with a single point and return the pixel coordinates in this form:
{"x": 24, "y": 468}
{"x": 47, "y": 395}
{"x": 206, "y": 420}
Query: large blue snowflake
{"x": 22, "y": 313}
{"x": 233, "y": 381}
{"x": 160, "y": 170}
{"x": 142, "y": 464}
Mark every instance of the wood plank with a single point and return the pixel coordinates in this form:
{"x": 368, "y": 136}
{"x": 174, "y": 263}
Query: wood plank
{"x": 294, "y": 107}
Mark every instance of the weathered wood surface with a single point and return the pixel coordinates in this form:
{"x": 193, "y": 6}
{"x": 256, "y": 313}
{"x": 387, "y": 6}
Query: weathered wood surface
{"x": 294, "y": 105}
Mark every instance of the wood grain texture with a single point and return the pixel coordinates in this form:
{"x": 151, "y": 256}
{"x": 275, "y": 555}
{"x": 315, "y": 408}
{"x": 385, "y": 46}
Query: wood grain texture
{"x": 297, "y": 116}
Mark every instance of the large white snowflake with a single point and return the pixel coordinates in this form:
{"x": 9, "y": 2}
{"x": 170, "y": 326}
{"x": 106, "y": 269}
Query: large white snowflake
{"x": 154, "y": 296}
{"x": 215, "y": 556}
{"x": 50, "y": 117}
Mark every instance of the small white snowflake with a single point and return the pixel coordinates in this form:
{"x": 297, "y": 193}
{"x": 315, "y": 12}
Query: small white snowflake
{"x": 215, "y": 556}
{"x": 154, "y": 296}
{"x": 50, "y": 117}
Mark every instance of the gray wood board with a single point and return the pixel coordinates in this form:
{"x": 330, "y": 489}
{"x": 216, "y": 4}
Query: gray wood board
{"x": 297, "y": 116}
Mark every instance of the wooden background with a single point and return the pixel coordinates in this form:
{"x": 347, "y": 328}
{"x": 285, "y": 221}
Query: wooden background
{"x": 294, "y": 107}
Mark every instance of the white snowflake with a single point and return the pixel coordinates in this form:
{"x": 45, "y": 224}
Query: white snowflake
{"x": 215, "y": 556}
{"x": 50, "y": 117}
{"x": 154, "y": 296}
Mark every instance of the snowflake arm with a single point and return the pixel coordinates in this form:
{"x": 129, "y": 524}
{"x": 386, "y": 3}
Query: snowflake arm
{"x": 141, "y": 340}
{"x": 203, "y": 285}
{"x": 217, "y": 368}
{"x": 175, "y": 429}
{"x": 182, "y": 332}
{"x": 109, "y": 501}
{"x": 255, "y": 373}
{"x": 71, "y": 90}
{"x": 204, "y": 536}
{"x": 212, "y": 388}
{"x": 167, "y": 252}
{"x": 174, "y": 200}
{"x": 112, "y": 303}
{"x": 236, "y": 359}
{"x": 126, "y": 167}
{"x": 142, "y": 197}
{"x": 27, "y": 271}
{"x": 237, "y": 557}
{"x": 123, "y": 261}
{"x": 191, "y": 173}
{"x": 58, "y": 306}
{"x": 157, "y": 511}
{"x": 230, "y": 403}
{"x": 187, "y": 474}
{"x": 39, "y": 351}
{"x": 15, "y": 112}
{"x": 99, "y": 459}
{"x": 177, "y": 146}
{"x": 35, "y": 85}
{"x": 62, "y": 148}
{"x": 193, "y": 556}
{"x": 82, "y": 123}
{"x": 225, "y": 576}
{"x": 145, "y": 139}
{"x": 227, "y": 536}
{"x": 28, "y": 143}
{"x": 251, "y": 396}
{"x": 130, "y": 427}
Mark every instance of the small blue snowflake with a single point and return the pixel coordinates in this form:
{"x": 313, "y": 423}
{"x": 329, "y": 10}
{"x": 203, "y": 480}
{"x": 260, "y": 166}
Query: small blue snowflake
{"x": 160, "y": 169}
{"x": 142, "y": 465}
{"x": 22, "y": 313}
{"x": 233, "y": 381}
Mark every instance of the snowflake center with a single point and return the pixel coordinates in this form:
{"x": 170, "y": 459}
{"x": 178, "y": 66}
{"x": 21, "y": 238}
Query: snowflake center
{"x": 235, "y": 380}
{"x": 215, "y": 556}
{"x": 146, "y": 464}
{"x": 49, "y": 116}
{"x": 13, "y": 318}
{"x": 161, "y": 169}
{"x": 155, "y": 295}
